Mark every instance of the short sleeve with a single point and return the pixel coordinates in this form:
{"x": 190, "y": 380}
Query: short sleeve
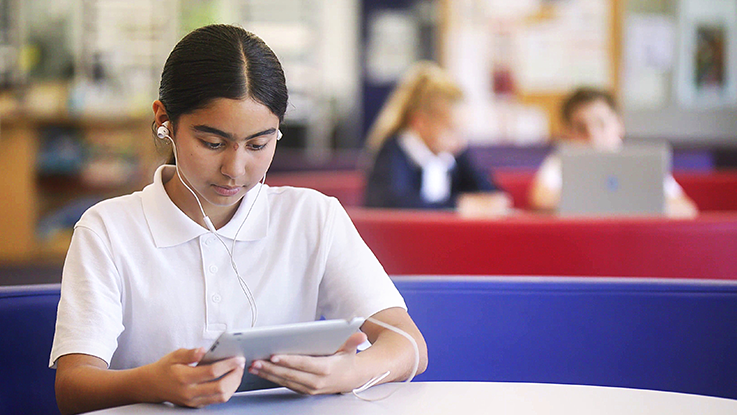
{"x": 90, "y": 313}
{"x": 671, "y": 188}
{"x": 354, "y": 284}
{"x": 550, "y": 173}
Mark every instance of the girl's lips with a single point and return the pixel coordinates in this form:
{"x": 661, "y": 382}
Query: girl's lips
{"x": 226, "y": 191}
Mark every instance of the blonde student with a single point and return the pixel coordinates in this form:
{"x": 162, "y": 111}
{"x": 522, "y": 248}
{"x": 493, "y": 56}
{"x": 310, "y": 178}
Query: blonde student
{"x": 591, "y": 117}
{"x": 152, "y": 278}
{"x": 418, "y": 157}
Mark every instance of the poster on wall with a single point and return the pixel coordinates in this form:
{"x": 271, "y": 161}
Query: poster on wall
{"x": 707, "y": 65}
{"x": 566, "y": 48}
{"x": 392, "y": 46}
{"x": 649, "y": 57}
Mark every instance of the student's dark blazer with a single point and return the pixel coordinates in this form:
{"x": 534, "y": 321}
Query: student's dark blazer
{"x": 395, "y": 180}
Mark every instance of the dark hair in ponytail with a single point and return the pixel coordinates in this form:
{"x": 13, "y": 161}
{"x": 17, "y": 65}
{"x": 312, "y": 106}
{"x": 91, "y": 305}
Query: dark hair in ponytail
{"x": 221, "y": 61}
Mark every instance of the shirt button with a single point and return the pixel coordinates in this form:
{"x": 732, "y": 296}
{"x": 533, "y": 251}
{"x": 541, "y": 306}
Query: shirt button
{"x": 213, "y": 269}
{"x": 209, "y": 241}
{"x": 216, "y": 298}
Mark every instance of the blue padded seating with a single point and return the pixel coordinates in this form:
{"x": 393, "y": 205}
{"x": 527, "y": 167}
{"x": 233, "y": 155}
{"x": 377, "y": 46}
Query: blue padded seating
{"x": 27, "y": 321}
{"x": 670, "y": 335}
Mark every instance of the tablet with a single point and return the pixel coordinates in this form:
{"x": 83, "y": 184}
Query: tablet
{"x": 314, "y": 338}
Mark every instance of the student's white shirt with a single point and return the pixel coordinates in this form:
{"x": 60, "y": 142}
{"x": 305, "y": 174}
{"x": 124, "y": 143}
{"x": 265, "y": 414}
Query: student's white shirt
{"x": 550, "y": 174}
{"x": 436, "y": 168}
{"x": 141, "y": 279}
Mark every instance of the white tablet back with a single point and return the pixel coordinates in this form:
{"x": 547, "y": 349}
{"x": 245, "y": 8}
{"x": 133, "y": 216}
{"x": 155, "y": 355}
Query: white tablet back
{"x": 314, "y": 338}
{"x": 627, "y": 182}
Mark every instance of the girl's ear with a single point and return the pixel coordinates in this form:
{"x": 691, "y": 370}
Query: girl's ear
{"x": 160, "y": 115}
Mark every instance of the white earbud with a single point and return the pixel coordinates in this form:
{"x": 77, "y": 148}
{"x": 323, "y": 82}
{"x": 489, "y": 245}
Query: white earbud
{"x": 163, "y": 131}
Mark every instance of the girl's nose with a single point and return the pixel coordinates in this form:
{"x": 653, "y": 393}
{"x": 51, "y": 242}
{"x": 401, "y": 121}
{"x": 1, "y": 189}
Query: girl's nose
{"x": 234, "y": 163}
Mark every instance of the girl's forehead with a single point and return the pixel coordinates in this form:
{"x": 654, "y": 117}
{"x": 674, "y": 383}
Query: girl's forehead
{"x": 235, "y": 114}
{"x": 230, "y": 106}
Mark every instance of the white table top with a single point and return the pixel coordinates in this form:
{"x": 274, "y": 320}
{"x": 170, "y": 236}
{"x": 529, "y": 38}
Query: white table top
{"x": 430, "y": 398}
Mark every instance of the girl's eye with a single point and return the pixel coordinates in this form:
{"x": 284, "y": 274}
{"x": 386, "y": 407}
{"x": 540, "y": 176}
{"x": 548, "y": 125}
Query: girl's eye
{"x": 211, "y": 146}
{"x": 256, "y": 147}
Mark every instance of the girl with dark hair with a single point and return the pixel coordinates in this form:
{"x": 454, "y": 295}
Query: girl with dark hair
{"x": 152, "y": 278}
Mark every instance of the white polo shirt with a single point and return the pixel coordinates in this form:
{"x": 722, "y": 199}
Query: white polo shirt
{"x": 141, "y": 279}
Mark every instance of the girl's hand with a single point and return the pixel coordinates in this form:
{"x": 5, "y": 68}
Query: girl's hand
{"x": 175, "y": 379}
{"x": 315, "y": 375}
{"x": 487, "y": 204}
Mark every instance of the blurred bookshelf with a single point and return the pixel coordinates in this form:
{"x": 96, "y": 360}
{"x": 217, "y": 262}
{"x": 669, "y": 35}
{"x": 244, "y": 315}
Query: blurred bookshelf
{"x": 77, "y": 79}
{"x": 56, "y": 167}
{"x": 11, "y": 23}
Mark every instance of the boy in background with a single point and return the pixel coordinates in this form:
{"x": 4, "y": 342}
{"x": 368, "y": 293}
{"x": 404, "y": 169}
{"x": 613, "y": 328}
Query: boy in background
{"x": 591, "y": 116}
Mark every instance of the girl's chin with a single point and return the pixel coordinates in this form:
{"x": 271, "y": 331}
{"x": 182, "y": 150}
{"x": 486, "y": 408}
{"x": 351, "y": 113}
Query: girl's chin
{"x": 217, "y": 199}
{"x": 222, "y": 201}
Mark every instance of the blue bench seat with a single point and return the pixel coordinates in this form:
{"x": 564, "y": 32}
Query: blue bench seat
{"x": 670, "y": 335}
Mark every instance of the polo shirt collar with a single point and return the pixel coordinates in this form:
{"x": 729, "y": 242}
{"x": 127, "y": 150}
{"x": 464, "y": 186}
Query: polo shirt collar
{"x": 421, "y": 155}
{"x": 169, "y": 226}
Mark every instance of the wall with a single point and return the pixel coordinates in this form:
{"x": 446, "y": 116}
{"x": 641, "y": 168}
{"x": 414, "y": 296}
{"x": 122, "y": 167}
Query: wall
{"x": 670, "y": 120}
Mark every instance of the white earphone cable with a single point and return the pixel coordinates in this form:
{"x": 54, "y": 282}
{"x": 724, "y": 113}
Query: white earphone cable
{"x": 376, "y": 379}
{"x": 244, "y": 286}
{"x": 252, "y": 301}
{"x": 246, "y": 289}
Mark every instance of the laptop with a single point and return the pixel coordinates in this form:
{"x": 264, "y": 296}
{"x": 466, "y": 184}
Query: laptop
{"x": 628, "y": 182}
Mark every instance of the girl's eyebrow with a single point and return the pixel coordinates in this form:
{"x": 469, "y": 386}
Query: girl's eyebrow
{"x": 212, "y": 130}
